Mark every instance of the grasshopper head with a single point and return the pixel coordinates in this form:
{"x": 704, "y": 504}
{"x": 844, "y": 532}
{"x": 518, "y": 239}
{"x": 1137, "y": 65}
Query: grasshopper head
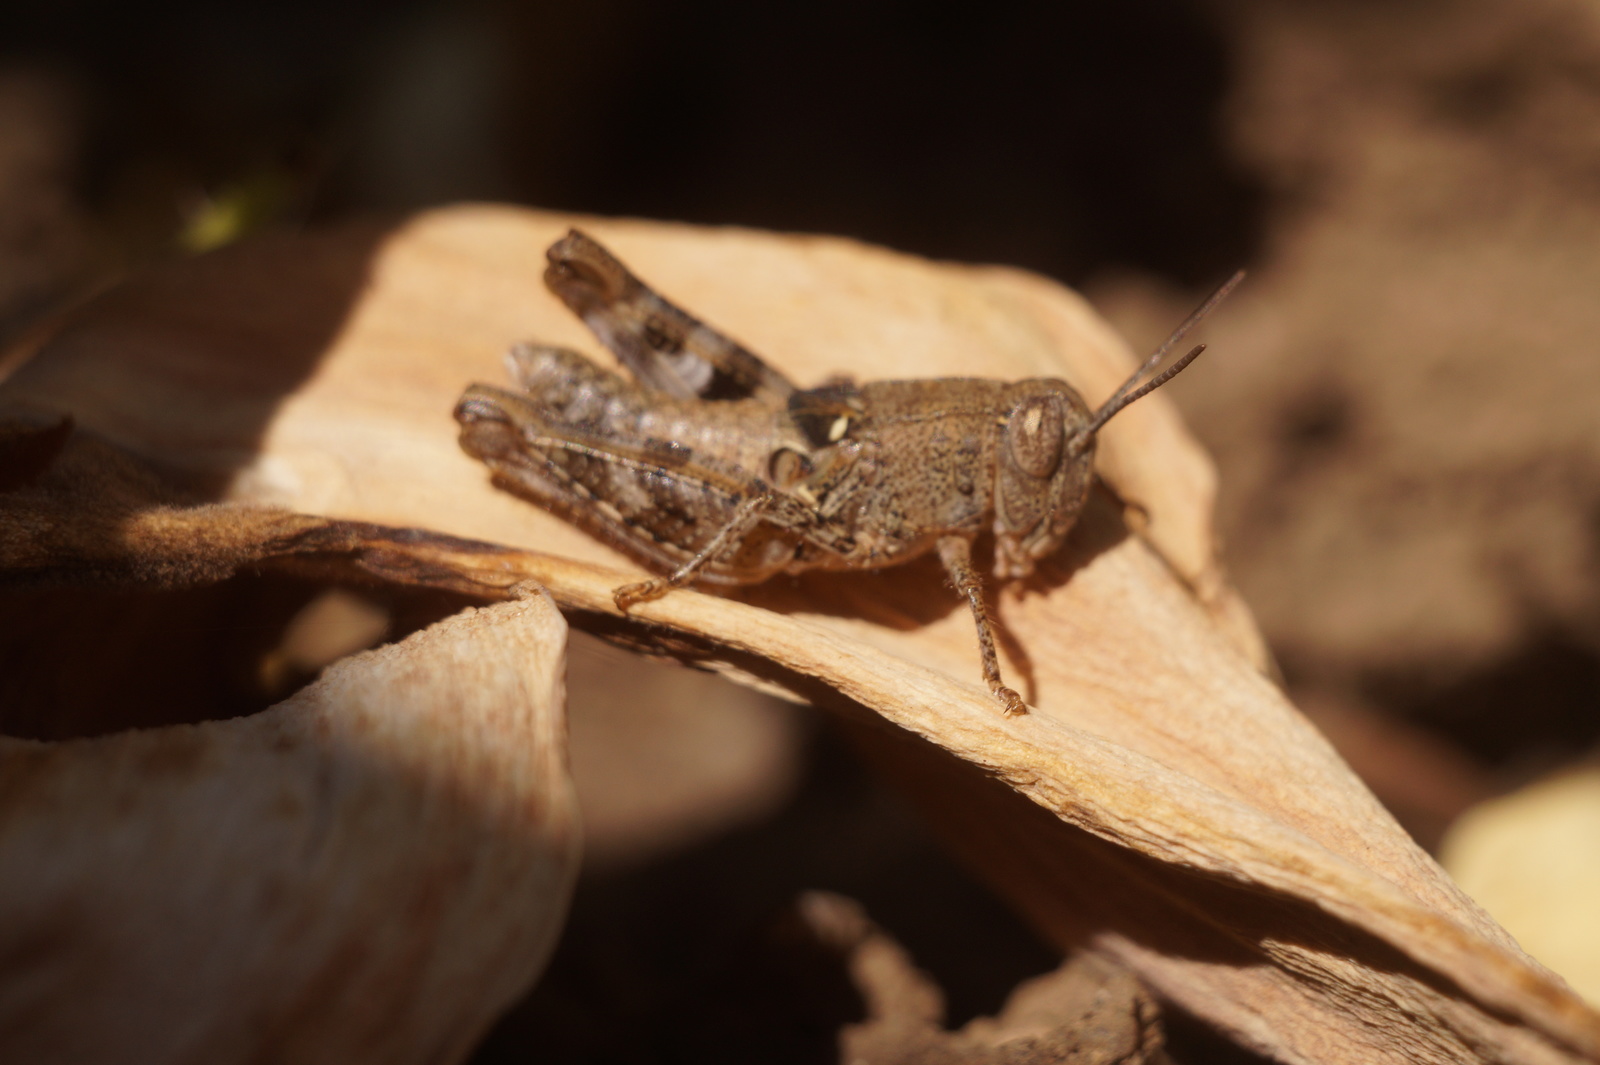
{"x": 1047, "y": 451}
{"x": 1043, "y": 476}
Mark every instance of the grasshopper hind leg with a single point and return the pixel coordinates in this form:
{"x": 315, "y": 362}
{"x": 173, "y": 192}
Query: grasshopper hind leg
{"x": 667, "y": 349}
{"x": 956, "y": 554}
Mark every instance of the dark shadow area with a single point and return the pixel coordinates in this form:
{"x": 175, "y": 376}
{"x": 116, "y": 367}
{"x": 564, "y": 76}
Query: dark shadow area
{"x": 903, "y": 597}
{"x": 698, "y": 956}
{"x": 80, "y": 661}
{"x": 213, "y": 342}
{"x": 1192, "y": 1042}
{"x": 1064, "y": 138}
{"x": 1101, "y": 526}
{"x": 85, "y": 662}
{"x": 181, "y": 99}
{"x": 1068, "y": 139}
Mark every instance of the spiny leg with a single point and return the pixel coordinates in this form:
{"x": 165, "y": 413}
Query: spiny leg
{"x": 744, "y": 519}
{"x": 956, "y": 554}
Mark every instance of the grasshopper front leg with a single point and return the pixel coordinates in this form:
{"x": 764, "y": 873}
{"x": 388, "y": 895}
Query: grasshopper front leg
{"x": 956, "y": 554}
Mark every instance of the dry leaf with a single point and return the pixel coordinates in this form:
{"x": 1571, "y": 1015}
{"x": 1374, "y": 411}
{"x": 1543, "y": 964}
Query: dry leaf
{"x": 1163, "y": 804}
{"x": 1088, "y": 1012}
{"x": 371, "y": 870}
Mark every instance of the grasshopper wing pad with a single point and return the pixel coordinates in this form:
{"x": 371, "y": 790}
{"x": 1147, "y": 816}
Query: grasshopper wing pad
{"x": 823, "y": 415}
{"x": 651, "y": 500}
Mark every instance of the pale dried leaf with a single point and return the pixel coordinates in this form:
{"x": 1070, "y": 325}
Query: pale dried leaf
{"x": 1184, "y": 818}
{"x": 370, "y": 871}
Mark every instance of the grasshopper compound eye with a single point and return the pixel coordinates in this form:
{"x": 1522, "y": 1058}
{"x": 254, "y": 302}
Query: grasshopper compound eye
{"x": 1033, "y": 436}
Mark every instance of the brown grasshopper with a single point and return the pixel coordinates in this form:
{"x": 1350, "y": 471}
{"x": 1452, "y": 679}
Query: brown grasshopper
{"x": 714, "y": 467}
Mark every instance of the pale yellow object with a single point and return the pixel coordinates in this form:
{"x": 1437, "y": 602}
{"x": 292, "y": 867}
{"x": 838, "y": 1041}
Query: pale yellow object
{"x": 1533, "y": 860}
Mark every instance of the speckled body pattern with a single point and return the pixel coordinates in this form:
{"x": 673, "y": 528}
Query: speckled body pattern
{"x": 709, "y": 465}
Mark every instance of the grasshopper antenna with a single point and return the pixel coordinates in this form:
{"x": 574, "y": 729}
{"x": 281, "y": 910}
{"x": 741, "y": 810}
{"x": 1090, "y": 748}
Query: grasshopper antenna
{"x": 1128, "y": 392}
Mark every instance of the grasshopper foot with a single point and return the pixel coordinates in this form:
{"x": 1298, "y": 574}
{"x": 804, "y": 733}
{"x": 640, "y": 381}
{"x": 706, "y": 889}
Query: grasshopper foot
{"x": 1010, "y": 702}
{"x": 640, "y": 592}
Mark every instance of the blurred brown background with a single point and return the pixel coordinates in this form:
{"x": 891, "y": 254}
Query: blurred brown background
{"x": 1402, "y": 401}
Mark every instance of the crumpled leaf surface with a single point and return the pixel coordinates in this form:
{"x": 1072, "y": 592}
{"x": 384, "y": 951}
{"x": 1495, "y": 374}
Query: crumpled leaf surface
{"x": 1085, "y": 1013}
{"x": 372, "y": 870}
{"x": 1163, "y": 804}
